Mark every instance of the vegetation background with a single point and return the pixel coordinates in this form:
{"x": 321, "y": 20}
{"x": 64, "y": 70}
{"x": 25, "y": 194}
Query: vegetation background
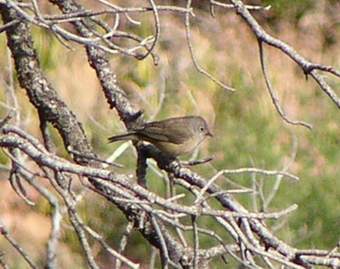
{"x": 248, "y": 131}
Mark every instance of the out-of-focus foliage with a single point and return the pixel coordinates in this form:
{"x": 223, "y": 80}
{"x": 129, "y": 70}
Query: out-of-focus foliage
{"x": 294, "y": 10}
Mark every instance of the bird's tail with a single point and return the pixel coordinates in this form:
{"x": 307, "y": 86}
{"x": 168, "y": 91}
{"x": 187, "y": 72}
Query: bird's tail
{"x": 127, "y": 136}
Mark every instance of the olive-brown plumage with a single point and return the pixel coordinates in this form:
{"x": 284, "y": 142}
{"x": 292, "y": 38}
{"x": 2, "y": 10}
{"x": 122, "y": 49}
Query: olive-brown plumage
{"x": 173, "y": 136}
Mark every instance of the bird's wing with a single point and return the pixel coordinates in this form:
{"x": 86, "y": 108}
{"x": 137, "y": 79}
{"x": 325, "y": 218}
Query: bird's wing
{"x": 175, "y": 132}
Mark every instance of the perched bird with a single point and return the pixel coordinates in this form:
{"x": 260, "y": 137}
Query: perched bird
{"x": 173, "y": 136}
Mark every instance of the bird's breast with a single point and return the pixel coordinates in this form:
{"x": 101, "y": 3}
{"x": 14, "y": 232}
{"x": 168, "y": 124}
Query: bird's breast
{"x": 177, "y": 149}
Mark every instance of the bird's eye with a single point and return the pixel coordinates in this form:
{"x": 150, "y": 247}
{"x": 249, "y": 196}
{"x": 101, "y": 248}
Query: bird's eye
{"x": 201, "y": 129}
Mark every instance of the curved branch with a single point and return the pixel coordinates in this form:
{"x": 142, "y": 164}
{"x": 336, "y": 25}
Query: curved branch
{"x": 273, "y": 95}
{"x": 308, "y": 67}
{"x": 40, "y": 92}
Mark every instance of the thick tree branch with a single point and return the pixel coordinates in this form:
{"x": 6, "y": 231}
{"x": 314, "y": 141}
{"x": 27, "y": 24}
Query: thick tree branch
{"x": 41, "y": 93}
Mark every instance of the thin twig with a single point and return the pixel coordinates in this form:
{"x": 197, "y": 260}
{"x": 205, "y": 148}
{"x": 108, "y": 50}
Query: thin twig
{"x": 6, "y": 26}
{"x": 5, "y": 233}
{"x": 164, "y": 249}
{"x": 123, "y": 242}
{"x": 153, "y": 256}
{"x": 308, "y": 67}
{"x": 192, "y": 54}
{"x": 196, "y": 241}
{"x": 157, "y": 30}
{"x": 274, "y": 96}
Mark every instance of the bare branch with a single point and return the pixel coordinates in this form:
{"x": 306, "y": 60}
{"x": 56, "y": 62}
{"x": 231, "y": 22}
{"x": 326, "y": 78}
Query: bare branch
{"x": 5, "y": 233}
{"x": 123, "y": 242}
{"x": 193, "y": 57}
{"x": 273, "y": 95}
{"x": 307, "y": 66}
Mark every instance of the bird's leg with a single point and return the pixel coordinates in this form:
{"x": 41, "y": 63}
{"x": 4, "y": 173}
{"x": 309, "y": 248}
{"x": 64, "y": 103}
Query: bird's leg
{"x": 141, "y": 166}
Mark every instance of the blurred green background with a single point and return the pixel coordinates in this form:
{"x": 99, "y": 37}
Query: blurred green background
{"x": 248, "y": 131}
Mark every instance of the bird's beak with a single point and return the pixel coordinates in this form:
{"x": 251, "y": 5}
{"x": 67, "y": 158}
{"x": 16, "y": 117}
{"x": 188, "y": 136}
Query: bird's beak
{"x": 210, "y": 134}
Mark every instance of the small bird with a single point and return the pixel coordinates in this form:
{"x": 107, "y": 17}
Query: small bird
{"x": 173, "y": 136}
